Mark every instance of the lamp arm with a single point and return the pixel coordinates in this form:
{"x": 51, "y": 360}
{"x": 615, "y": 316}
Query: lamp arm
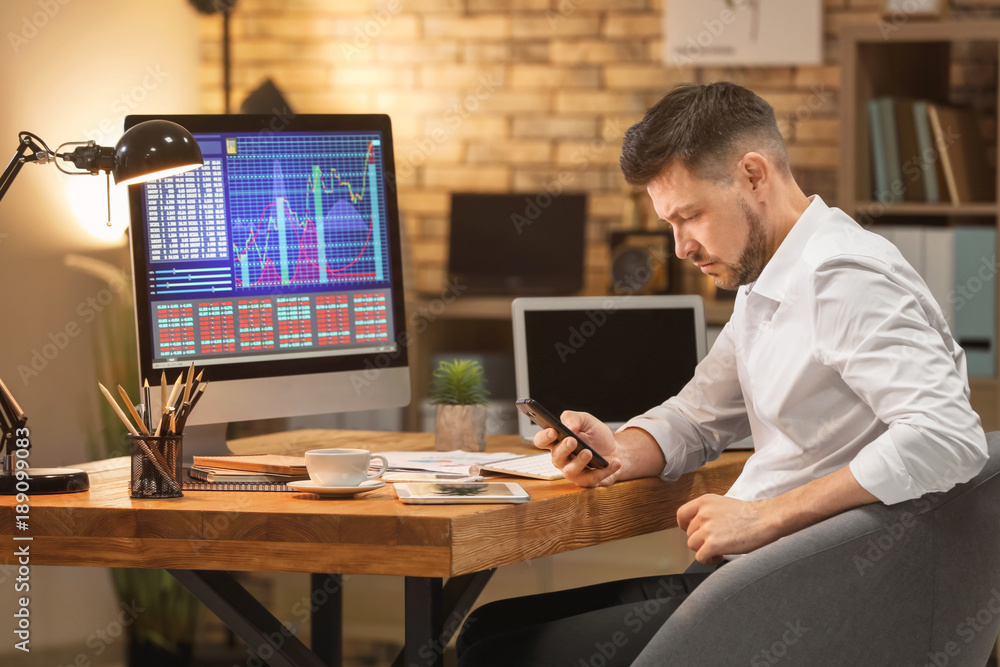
{"x": 30, "y": 148}
{"x": 12, "y": 418}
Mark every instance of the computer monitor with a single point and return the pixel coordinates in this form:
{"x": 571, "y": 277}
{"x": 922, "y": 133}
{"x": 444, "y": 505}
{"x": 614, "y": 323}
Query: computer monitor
{"x": 612, "y": 356}
{"x": 275, "y": 268}
{"x": 517, "y": 244}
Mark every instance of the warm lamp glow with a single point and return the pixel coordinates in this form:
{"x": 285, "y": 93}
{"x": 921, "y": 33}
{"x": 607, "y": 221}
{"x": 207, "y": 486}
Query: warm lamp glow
{"x": 87, "y": 200}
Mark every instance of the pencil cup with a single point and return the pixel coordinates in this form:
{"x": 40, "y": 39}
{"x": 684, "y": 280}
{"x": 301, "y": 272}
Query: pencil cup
{"x": 156, "y": 466}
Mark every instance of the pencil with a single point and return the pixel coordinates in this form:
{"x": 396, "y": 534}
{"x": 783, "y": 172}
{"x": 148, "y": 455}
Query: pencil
{"x": 163, "y": 390}
{"x": 146, "y": 402}
{"x": 198, "y": 393}
{"x": 187, "y": 385}
{"x": 174, "y": 392}
{"x": 118, "y": 410}
{"x": 132, "y": 410}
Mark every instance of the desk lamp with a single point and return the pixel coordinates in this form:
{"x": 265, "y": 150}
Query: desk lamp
{"x": 147, "y": 151}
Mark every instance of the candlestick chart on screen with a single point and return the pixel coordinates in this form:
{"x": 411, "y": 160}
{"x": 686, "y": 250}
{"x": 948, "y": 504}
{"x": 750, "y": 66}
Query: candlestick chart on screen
{"x": 307, "y": 215}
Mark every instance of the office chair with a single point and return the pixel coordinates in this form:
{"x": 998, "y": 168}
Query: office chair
{"x": 917, "y": 583}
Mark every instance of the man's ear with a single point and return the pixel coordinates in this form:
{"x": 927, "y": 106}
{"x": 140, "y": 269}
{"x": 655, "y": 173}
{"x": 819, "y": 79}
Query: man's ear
{"x": 755, "y": 175}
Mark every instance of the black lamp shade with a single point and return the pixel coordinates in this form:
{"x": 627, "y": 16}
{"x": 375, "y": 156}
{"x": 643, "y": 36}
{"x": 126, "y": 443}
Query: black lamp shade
{"x": 154, "y": 149}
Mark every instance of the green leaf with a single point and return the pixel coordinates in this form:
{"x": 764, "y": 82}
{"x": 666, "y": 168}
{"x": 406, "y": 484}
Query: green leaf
{"x": 459, "y": 382}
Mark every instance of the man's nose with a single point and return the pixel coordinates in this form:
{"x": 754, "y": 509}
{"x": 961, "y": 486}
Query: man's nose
{"x": 683, "y": 245}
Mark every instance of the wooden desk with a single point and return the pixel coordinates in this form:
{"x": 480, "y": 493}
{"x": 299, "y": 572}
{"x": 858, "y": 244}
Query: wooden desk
{"x": 206, "y": 532}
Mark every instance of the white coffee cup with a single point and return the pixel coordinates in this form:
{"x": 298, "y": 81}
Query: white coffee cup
{"x": 341, "y": 467}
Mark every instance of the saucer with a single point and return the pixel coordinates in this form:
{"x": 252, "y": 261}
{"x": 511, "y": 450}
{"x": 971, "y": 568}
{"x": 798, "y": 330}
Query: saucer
{"x": 309, "y": 486}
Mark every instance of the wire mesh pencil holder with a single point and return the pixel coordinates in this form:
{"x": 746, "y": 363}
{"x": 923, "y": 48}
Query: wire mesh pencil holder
{"x": 156, "y": 466}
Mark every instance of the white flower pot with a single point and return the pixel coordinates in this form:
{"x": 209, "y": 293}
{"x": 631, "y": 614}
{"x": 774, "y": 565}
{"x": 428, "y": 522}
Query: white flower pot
{"x": 460, "y": 427}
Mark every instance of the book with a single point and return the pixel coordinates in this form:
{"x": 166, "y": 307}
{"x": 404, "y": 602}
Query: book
{"x": 262, "y": 463}
{"x": 895, "y": 187}
{"x": 930, "y": 164}
{"x": 909, "y": 151}
{"x": 974, "y": 298}
{"x": 879, "y": 171}
{"x": 189, "y": 483}
{"x": 240, "y": 476}
{"x": 968, "y": 173}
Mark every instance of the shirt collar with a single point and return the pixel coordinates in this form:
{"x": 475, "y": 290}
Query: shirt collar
{"x": 773, "y": 280}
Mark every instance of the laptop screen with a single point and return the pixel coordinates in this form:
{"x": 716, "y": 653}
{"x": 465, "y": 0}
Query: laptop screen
{"x": 614, "y": 357}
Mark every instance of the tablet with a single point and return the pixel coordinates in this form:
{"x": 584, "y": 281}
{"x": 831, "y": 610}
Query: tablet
{"x": 460, "y": 493}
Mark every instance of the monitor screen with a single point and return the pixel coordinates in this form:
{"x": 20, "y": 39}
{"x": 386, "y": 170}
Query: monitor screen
{"x": 275, "y": 267}
{"x": 614, "y": 357}
{"x": 510, "y": 244}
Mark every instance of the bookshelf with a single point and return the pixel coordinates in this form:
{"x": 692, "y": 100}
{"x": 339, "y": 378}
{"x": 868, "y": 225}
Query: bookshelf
{"x": 919, "y": 59}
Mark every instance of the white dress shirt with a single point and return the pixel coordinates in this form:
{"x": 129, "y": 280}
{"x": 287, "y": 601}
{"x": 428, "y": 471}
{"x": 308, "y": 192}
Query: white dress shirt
{"x": 837, "y": 355}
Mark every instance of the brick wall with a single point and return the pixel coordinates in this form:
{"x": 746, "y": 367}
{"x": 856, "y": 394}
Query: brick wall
{"x": 510, "y": 95}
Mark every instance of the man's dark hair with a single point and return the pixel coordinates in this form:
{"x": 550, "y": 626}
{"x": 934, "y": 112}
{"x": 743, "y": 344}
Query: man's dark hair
{"x": 704, "y": 127}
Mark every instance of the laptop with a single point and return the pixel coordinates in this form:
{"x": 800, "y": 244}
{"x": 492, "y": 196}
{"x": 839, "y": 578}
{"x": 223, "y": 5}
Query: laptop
{"x": 517, "y": 244}
{"x": 612, "y": 356}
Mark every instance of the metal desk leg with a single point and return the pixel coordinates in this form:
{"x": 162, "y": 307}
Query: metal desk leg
{"x": 268, "y": 639}
{"x": 434, "y": 614}
{"x": 326, "y": 617}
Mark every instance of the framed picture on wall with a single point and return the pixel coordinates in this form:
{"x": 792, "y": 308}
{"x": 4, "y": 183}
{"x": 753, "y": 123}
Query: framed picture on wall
{"x": 743, "y": 32}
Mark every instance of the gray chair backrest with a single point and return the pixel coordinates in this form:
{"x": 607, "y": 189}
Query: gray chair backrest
{"x": 917, "y": 583}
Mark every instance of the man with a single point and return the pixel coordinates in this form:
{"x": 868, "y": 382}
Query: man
{"x": 836, "y": 360}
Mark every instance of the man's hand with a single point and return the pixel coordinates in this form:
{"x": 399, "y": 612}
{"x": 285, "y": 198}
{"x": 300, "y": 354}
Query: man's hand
{"x": 597, "y": 434}
{"x": 716, "y": 525}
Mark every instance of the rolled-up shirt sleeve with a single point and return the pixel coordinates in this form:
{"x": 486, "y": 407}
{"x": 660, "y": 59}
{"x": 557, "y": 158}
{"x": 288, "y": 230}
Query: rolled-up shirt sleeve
{"x": 694, "y": 426}
{"x": 873, "y": 330}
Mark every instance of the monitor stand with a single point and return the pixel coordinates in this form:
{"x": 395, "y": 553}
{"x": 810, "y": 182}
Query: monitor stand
{"x": 204, "y": 440}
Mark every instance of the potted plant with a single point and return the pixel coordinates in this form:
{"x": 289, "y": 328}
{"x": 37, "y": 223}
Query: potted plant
{"x": 458, "y": 389}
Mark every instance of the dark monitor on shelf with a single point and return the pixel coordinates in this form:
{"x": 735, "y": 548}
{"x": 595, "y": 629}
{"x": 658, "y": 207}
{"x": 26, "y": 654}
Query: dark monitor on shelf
{"x": 275, "y": 268}
{"x": 517, "y": 244}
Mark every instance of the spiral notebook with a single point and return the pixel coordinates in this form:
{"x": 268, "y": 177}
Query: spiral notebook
{"x": 193, "y": 484}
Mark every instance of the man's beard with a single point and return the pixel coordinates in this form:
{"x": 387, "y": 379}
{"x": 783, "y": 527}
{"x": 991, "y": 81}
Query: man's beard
{"x": 754, "y": 256}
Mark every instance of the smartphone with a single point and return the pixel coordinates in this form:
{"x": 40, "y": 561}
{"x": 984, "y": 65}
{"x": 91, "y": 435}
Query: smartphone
{"x": 538, "y": 414}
